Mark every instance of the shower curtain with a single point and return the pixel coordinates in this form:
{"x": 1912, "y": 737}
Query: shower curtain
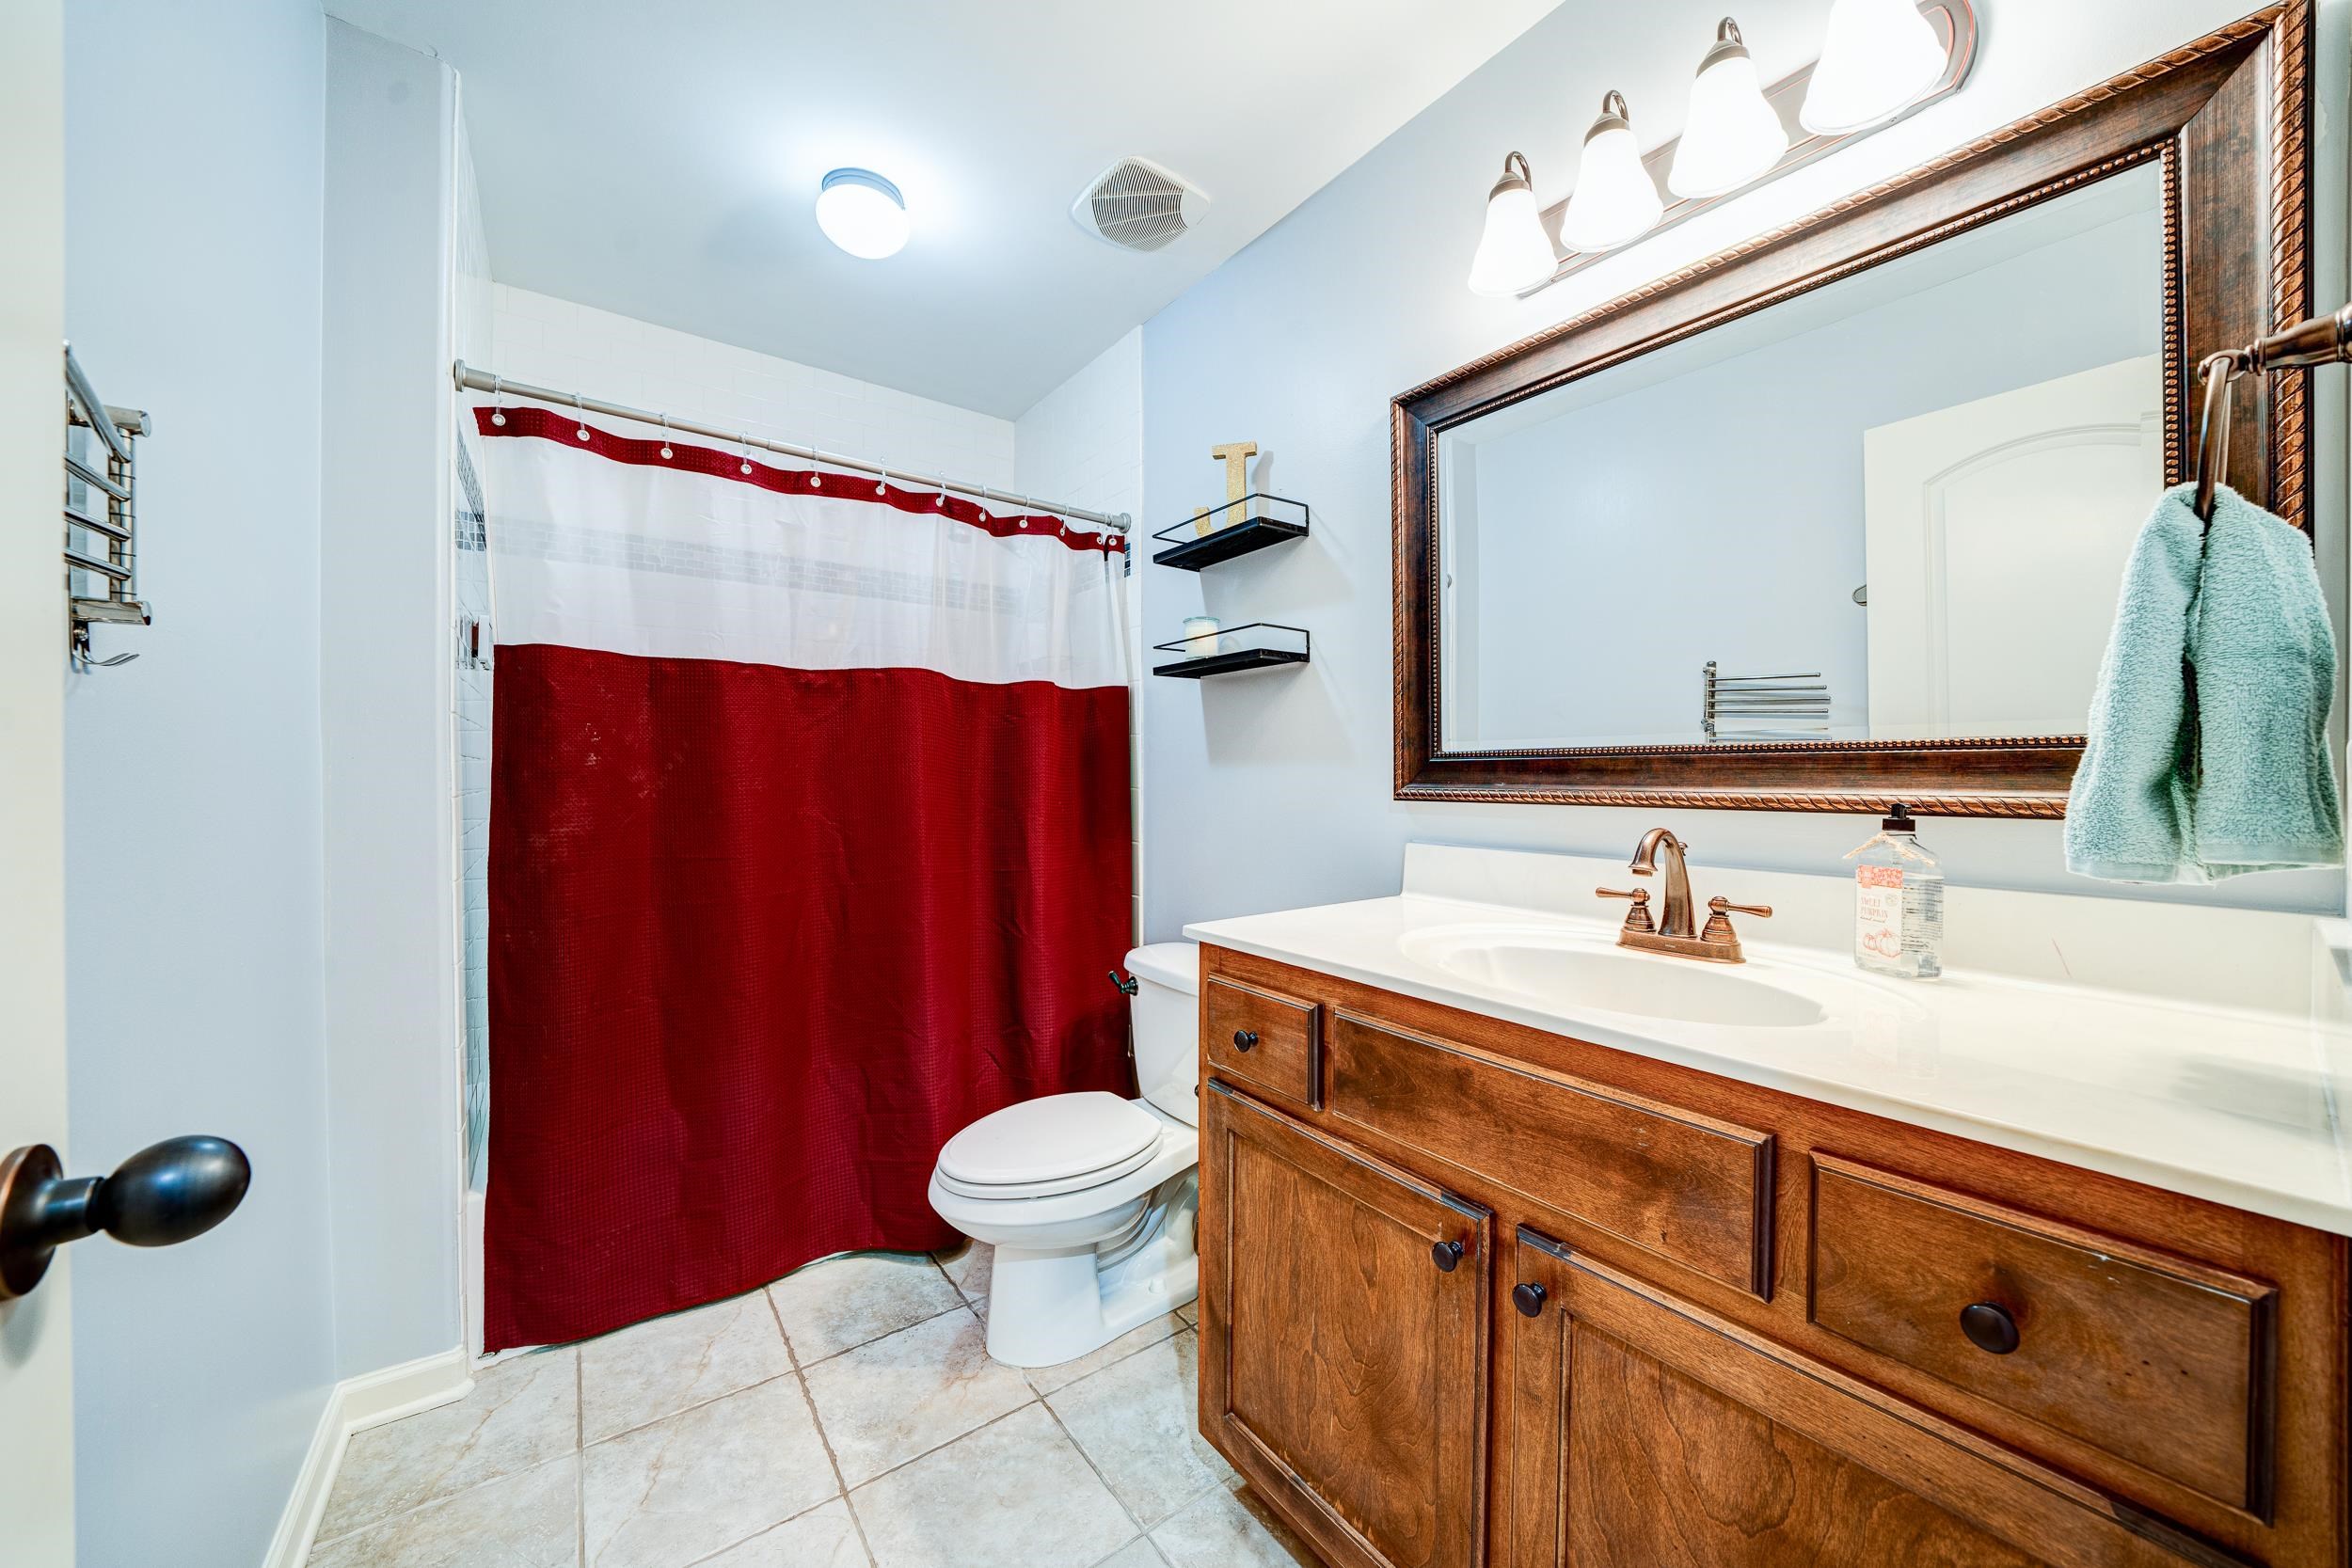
{"x": 809, "y": 844}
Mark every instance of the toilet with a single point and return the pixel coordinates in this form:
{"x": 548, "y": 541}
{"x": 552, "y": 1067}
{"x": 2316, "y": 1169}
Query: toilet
{"x": 1089, "y": 1198}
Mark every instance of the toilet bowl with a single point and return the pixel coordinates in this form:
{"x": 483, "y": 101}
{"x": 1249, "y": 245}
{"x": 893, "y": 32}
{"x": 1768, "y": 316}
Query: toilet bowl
{"x": 1089, "y": 1198}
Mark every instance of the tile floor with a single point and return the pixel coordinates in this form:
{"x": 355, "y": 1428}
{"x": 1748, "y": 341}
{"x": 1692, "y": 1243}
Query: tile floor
{"x": 846, "y": 1417}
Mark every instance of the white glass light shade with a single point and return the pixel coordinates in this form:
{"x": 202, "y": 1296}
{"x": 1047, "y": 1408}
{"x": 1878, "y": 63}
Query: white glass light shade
{"x": 862, "y": 213}
{"x": 1879, "y": 55}
{"x": 1733, "y": 135}
{"x": 1514, "y": 254}
{"x": 1615, "y": 201}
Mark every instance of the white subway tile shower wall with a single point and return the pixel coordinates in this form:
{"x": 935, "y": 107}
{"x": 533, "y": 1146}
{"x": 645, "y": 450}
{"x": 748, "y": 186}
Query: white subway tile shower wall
{"x": 1082, "y": 445}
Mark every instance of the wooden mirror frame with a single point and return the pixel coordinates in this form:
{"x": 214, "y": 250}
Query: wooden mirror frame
{"x": 2228, "y": 120}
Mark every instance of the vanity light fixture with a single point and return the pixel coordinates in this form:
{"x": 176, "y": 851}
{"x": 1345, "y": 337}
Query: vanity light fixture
{"x": 1733, "y": 134}
{"x": 1878, "y": 56}
{"x": 1514, "y": 254}
{"x": 1615, "y": 201}
{"x": 862, "y": 213}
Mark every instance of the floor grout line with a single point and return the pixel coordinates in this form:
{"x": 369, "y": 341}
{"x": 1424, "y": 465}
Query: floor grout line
{"x": 935, "y": 1448}
{"x": 579, "y": 1448}
{"x": 1181, "y": 1329}
{"x": 438, "y": 1496}
{"x": 1072, "y": 1438}
{"x": 438, "y": 1500}
{"x": 824, "y": 1440}
{"x": 837, "y": 1354}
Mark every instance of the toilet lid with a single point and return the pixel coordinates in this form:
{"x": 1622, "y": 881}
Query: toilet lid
{"x": 1054, "y": 1140}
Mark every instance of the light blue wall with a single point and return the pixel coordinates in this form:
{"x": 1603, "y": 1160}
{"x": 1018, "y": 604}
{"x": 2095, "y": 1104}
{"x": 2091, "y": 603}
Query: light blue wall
{"x": 1273, "y": 790}
{"x": 193, "y": 912}
{"x": 392, "y": 1029}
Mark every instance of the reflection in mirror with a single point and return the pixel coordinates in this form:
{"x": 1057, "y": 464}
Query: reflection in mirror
{"x": 1895, "y": 507}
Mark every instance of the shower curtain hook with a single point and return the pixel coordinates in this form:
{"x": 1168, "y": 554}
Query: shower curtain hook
{"x": 942, "y": 501}
{"x": 745, "y": 436}
{"x": 665, "y": 438}
{"x": 498, "y": 391}
{"x": 882, "y": 484}
{"x": 816, "y": 461}
{"x": 579, "y": 411}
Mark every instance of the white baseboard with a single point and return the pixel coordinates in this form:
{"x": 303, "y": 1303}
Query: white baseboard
{"x": 354, "y": 1405}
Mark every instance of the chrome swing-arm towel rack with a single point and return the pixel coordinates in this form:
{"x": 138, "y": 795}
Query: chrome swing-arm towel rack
{"x": 101, "y": 515}
{"x": 2321, "y": 340}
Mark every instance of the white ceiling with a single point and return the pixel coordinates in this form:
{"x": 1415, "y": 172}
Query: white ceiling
{"x": 660, "y": 160}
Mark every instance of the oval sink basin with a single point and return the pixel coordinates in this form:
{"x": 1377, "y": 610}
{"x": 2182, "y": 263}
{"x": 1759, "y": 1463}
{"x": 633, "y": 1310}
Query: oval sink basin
{"x": 1570, "y": 971}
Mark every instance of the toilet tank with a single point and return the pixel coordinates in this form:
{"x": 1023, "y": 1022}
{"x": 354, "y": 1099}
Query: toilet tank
{"x": 1165, "y": 1010}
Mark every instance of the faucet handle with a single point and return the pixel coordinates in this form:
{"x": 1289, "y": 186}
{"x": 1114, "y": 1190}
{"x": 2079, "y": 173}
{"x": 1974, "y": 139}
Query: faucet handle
{"x": 1721, "y": 910}
{"x": 1636, "y": 918}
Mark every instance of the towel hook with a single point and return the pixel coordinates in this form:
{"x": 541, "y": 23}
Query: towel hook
{"x": 2219, "y": 371}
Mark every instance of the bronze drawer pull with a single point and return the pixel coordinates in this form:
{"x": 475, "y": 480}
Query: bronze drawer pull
{"x": 1990, "y": 1329}
{"x": 1245, "y": 1040}
{"x": 1528, "y": 1297}
{"x": 1447, "y": 1255}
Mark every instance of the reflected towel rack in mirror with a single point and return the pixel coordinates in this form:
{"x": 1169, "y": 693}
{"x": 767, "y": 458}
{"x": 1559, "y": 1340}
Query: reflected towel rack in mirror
{"x": 2320, "y": 340}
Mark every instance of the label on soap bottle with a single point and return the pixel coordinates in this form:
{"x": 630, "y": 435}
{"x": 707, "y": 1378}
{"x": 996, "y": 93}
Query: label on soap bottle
{"x": 1878, "y": 911}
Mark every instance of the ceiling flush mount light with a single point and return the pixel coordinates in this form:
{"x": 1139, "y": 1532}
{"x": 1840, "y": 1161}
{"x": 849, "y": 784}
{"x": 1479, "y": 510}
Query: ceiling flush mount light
{"x": 1514, "y": 254}
{"x": 1733, "y": 134}
{"x": 862, "y": 213}
{"x": 1615, "y": 201}
{"x": 1878, "y": 56}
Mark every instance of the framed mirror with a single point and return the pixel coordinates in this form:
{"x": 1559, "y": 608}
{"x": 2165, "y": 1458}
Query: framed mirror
{"x": 1839, "y": 517}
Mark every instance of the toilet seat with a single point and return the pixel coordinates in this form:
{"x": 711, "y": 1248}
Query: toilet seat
{"x": 1063, "y": 1143}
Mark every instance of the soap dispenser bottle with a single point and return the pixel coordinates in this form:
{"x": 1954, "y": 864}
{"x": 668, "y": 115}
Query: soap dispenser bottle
{"x": 1898, "y": 902}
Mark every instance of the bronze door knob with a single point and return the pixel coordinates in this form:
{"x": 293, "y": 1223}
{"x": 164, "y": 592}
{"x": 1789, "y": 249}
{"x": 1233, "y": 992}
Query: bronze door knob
{"x": 164, "y": 1195}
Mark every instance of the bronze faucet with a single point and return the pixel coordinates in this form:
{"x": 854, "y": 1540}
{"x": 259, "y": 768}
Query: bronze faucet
{"x": 1677, "y": 934}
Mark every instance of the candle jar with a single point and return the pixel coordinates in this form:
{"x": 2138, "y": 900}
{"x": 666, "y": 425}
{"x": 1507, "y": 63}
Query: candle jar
{"x": 1200, "y": 637}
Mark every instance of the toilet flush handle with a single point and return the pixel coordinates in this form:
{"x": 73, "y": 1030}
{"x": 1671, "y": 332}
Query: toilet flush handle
{"x": 1127, "y": 984}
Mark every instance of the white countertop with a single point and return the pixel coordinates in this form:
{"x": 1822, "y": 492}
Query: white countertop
{"x": 2234, "y": 1103}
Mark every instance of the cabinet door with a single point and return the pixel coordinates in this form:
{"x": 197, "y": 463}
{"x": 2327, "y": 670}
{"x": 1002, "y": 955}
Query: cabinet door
{"x": 1648, "y": 1433}
{"x": 1344, "y": 1312}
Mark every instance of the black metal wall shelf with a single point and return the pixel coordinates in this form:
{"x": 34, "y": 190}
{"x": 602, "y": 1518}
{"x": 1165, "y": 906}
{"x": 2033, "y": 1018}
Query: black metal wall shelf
{"x": 1265, "y": 520}
{"x": 1259, "y": 645}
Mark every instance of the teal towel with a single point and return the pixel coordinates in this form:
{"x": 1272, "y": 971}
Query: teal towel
{"x": 2207, "y": 751}
{"x": 2264, "y": 658}
{"x": 2127, "y": 816}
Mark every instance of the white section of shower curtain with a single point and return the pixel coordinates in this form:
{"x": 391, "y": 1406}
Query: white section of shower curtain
{"x": 590, "y": 552}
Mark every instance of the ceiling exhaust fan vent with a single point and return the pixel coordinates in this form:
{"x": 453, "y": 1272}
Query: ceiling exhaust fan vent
{"x": 1136, "y": 205}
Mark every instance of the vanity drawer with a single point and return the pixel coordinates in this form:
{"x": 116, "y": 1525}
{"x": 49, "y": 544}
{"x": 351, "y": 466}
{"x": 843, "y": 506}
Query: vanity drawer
{"x": 2162, "y": 1362}
{"x": 1263, "y": 1039}
{"x": 1685, "y": 1187}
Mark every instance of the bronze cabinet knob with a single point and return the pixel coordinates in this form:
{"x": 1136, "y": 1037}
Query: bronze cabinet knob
{"x": 1245, "y": 1040}
{"x": 1990, "y": 1329}
{"x": 1447, "y": 1255}
{"x": 1529, "y": 1298}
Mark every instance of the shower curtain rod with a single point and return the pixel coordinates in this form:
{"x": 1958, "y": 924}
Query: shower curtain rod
{"x": 471, "y": 379}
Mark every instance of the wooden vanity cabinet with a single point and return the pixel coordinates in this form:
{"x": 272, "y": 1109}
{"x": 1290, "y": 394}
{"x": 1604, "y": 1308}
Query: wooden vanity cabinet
{"x": 1344, "y": 1366}
{"x": 1696, "y": 1324}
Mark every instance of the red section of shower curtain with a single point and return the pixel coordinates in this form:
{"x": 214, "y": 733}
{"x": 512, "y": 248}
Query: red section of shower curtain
{"x": 762, "y": 940}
